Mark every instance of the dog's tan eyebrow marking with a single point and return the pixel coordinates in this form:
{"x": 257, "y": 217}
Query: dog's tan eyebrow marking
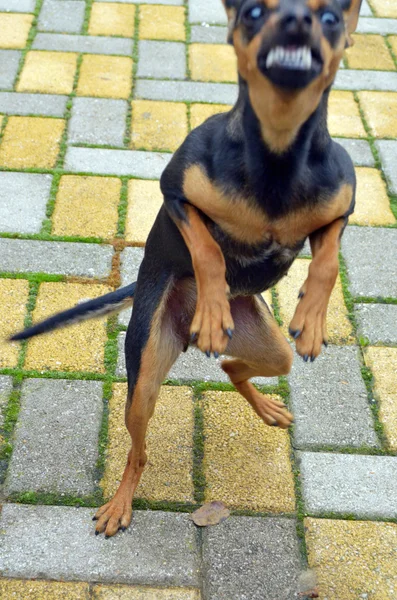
{"x": 316, "y": 4}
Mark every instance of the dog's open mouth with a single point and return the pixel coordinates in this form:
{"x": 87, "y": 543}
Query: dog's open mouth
{"x": 291, "y": 67}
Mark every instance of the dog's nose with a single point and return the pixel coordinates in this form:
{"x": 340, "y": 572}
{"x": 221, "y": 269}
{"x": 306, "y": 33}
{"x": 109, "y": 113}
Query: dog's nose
{"x": 297, "y": 21}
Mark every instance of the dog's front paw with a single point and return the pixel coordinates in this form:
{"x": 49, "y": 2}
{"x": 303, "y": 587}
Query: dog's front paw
{"x": 113, "y": 516}
{"x": 309, "y": 327}
{"x": 212, "y": 325}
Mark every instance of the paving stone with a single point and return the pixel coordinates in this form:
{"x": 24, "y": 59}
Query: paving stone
{"x": 354, "y": 79}
{"x": 383, "y": 364}
{"x": 12, "y": 103}
{"x": 382, "y": 26}
{"x": 365, "y": 10}
{"x": 173, "y": 2}
{"x": 329, "y": 401}
{"x": 14, "y": 30}
{"x": 144, "y": 202}
{"x": 5, "y": 391}
{"x": 79, "y": 347}
{"x": 106, "y": 76}
{"x": 23, "y": 201}
{"x": 10, "y": 589}
{"x": 64, "y": 16}
{"x": 51, "y": 454}
{"x": 149, "y": 64}
{"x": 87, "y": 206}
{"x": 380, "y": 110}
{"x": 9, "y": 64}
{"x": 64, "y": 258}
{"x": 162, "y": 23}
{"x": 58, "y": 542}
{"x": 212, "y": 62}
{"x": 108, "y": 19}
{"x": 23, "y": 6}
{"x": 48, "y": 72}
{"x": 201, "y": 112}
{"x": 388, "y": 155}
{"x": 131, "y": 259}
{"x": 195, "y": 91}
{"x": 250, "y": 557}
{"x": 102, "y": 592}
{"x": 168, "y": 473}
{"x": 344, "y": 116}
{"x": 377, "y": 322}
{"x": 207, "y": 34}
{"x": 370, "y": 256}
{"x": 31, "y": 142}
{"x": 372, "y": 202}
{"x": 97, "y": 121}
{"x": 353, "y": 559}
{"x": 207, "y": 11}
{"x": 82, "y": 43}
{"x": 158, "y": 125}
{"x": 13, "y": 300}
{"x": 364, "y": 486}
{"x": 384, "y": 8}
{"x": 117, "y": 162}
{"x": 369, "y": 52}
{"x": 359, "y": 150}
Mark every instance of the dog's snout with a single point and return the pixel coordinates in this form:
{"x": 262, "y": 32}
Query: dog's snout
{"x": 297, "y": 21}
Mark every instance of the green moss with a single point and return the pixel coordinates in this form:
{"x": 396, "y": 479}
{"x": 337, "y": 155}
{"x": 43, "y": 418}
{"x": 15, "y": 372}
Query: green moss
{"x": 199, "y": 481}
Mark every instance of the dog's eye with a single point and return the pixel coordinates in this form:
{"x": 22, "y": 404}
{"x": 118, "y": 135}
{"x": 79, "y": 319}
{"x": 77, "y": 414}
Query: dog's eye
{"x": 329, "y": 18}
{"x": 254, "y": 13}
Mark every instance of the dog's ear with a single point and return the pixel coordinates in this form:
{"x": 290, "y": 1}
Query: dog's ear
{"x": 351, "y": 12}
{"x": 231, "y": 11}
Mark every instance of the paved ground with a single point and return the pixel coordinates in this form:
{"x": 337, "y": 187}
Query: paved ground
{"x": 95, "y": 96}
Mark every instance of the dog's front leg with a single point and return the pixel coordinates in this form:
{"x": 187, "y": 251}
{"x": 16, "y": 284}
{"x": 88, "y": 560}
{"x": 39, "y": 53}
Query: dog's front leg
{"x": 308, "y": 326}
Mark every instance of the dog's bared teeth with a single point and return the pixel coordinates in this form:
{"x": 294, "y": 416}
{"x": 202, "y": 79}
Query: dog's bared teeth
{"x": 298, "y": 58}
{"x": 270, "y": 59}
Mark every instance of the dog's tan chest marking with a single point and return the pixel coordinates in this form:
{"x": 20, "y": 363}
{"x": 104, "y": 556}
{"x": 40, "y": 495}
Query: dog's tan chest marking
{"x": 247, "y": 223}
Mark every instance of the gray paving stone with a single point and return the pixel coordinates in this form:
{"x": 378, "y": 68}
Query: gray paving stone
{"x": 388, "y": 155}
{"x": 23, "y": 200}
{"x": 58, "y": 542}
{"x": 377, "y": 322}
{"x": 97, "y": 121}
{"x": 365, "y": 10}
{"x": 354, "y": 79}
{"x": 68, "y": 258}
{"x": 195, "y": 91}
{"x": 148, "y": 165}
{"x": 329, "y": 401}
{"x": 83, "y": 43}
{"x": 365, "y": 486}
{"x": 13, "y": 103}
{"x": 372, "y": 25}
{"x": 5, "y": 391}
{"x": 131, "y": 259}
{"x": 56, "y": 437}
{"x": 370, "y": 254}
{"x": 207, "y": 11}
{"x": 150, "y": 64}
{"x": 24, "y": 6}
{"x": 359, "y": 150}
{"x": 9, "y": 63}
{"x": 251, "y": 558}
{"x": 208, "y": 34}
{"x": 66, "y": 16}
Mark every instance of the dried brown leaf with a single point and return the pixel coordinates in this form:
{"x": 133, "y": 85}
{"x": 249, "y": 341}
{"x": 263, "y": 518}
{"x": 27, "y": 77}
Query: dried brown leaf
{"x": 211, "y": 513}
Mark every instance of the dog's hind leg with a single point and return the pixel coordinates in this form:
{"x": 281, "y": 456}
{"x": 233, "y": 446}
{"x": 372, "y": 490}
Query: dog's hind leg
{"x": 261, "y": 351}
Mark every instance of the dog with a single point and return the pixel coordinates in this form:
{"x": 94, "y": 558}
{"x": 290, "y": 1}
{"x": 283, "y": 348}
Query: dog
{"x": 241, "y": 195}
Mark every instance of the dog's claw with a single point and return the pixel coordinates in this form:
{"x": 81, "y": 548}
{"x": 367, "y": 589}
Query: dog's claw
{"x": 300, "y": 295}
{"x": 229, "y": 333}
{"x": 216, "y": 354}
{"x": 325, "y": 343}
{"x": 312, "y": 358}
{"x": 208, "y": 354}
{"x": 97, "y": 533}
{"x": 95, "y": 518}
{"x": 193, "y": 337}
{"x": 306, "y": 357}
{"x": 295, "y": 333}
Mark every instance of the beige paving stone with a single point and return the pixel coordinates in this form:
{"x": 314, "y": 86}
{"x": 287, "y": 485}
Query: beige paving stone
{"x": 393, "y": 42}
{"x": 369, "y": 52}
{"x": 168, "y": 473}
{"x": 14, "y": 29}
{"x": 144, "y": 202}
{"x": 1, "y": 121}
{"x": 79, "y": 347}
{"x": 31, "y": 142}
{"x": 121, "y": 592}
{"x": 212, "y": 62}
{"x": 339, "y": 327}
{"x": 247, "y": 464}
{"x": 353, "y": 559}
{"x": 383, "y": 363}
{"x": 201, "y": 112}
{"x": 385, "y": 8}
{"x": 48, "y": 72}
{"x": 162, "y": 23}
{"x": 105, "y": 76}
{"x": 112, "y": 19}
{"x": 16, "y": 589}
{"x": 380, "y": 109}
{"x": 87, "y": 206}
{"x": 158, "y": 125}
{"x": 372, "y": 202}
{"x": 344, "y": 116}
{"x": 13, "y": 299}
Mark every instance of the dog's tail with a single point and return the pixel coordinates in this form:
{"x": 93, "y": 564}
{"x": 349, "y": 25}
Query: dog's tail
{"x": 104, "y": 305}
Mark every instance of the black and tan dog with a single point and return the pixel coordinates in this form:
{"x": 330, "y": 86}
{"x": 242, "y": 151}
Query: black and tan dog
{"x": 241, "y": 195}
